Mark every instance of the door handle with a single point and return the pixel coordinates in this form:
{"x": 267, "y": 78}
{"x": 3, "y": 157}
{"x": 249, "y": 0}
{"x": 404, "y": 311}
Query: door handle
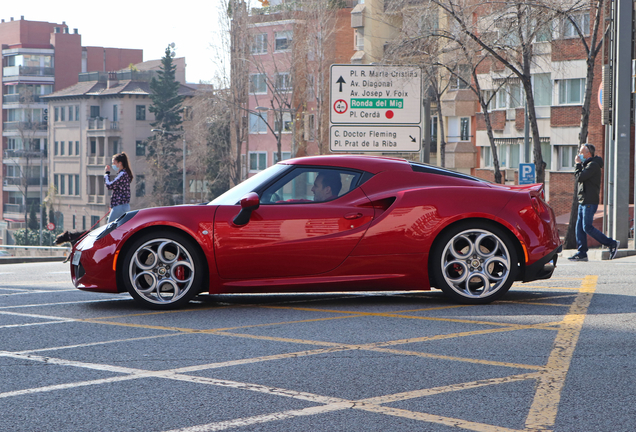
{"x": 351, "y": 216}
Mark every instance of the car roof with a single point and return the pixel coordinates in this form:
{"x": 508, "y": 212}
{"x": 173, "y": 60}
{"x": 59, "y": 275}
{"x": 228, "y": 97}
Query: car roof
{"x": 372, "y": 164}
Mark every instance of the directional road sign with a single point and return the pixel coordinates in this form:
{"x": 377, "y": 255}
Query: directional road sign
{"x": 375, "y": 94}
{"x": 380, "y": 138}
{"x": 375, "y": 108}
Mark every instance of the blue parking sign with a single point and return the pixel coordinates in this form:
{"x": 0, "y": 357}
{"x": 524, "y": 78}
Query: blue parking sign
{"x": 527, "y": 174}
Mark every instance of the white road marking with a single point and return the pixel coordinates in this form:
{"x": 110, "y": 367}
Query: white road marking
{"x": 65, "y": 303}
{"x": 33, "y": 324}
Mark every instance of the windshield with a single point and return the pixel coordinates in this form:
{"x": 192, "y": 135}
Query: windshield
{"x": 234, "y": 195}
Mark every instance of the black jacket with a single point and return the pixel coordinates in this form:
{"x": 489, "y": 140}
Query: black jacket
{"x": 588, "y": 176}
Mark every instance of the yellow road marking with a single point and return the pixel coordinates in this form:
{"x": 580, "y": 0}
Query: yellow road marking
{"x": 545, "y": 405}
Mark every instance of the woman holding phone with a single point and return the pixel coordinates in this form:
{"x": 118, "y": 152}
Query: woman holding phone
{"x": 120, "y": 185}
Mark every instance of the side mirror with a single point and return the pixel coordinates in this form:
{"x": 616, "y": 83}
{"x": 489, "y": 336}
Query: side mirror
{"x": 249, "y": 203}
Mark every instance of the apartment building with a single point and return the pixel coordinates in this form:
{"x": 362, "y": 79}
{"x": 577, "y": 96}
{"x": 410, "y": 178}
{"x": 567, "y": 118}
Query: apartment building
{"x": 103, "y": 114}
{"x": 38, "y": 58}
{"x": 291, "y": 50}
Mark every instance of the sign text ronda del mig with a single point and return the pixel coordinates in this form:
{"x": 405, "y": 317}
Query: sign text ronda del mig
{"x": 375, "y": 108}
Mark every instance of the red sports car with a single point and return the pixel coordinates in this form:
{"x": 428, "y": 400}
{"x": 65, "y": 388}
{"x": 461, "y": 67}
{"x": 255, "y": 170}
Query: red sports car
{"x": 327, "y": 223}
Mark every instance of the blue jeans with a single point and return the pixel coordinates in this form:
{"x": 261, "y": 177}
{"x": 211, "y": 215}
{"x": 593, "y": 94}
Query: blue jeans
{"x": 117, "y": 211}
{"x": 584, "y": 228}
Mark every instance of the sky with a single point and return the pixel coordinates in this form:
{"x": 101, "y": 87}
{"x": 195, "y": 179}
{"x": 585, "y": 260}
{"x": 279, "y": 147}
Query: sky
{"x": 193, "y": 26}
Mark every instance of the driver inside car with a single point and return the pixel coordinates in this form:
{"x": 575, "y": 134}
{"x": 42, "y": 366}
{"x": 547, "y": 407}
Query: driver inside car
{"x": 326, "y": 186}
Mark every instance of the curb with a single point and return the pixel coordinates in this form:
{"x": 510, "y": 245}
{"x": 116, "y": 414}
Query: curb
{"x": 22, "y": 260}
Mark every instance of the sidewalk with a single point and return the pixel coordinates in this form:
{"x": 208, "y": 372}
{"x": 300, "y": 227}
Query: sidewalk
{"x": 601, "y": 254}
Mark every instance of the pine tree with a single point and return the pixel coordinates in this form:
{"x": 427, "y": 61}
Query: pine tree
{"x": 163, "y": 152}
{"x": 33, "y": 220}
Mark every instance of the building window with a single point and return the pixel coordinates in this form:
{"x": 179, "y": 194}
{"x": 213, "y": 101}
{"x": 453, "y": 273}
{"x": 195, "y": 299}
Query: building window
{"x": 56, "y": 117}
{"x": 77, "y": 191}
{"x": 94, "y": 111}
{"x": 94, "y": 220}
{"x": 62, "y": 113}
{"x": 566, "y": 155}
{"x": 70, "y": 148}
{"x": 486, "y": 157}
{"x": 258, "y": 123}
{"x": 140, "y": 112}
{"x": 140, "y": 188}
{"x": 542, "y": 87}
{"x": 56, "y": 182}
{"x": 582, "y": 21}
{"x": 70, "y": 184}
{"x": 571, "y": 91}
{"x": 359, "y": 39}
{"x": 258, "y": 84}
{"x": 55, "y": 148}
{"x": 464, "y": 128}
{"x": 83, "y": 222}
{"x": 140, "y": 148}
{"x": 77, "y": 148}
{"x": 115, "y": 113}
{"x": 62, "y": 184}
{"x": 310, "y": 127}
{"x": 258, "y": 161}
{"x": 73, "y": 221}
{"x": 283, "y": 82}
{"x": 62, "y": 148}
{"x": 287, "y": 123}
{"x": 76, "y": 112}
{"x": 285, "y": 155}
{"x": 259, "y": 44}
{"x": 460, "y": 80}
{"x": 283, "y": 40}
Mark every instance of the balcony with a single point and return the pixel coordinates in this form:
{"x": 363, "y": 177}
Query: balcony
{"x": 19, "y": 181}
{"x": 96, "y": 199}
{"x": 24, "y": 126}
{"x": 103, "y": 127}
{"x": 14, "y": 208}
{"x": 96, "y": 160}
{"x": 21, "y": 153}
{"x": 21, "y": 99}
{"x": 25, "y": 71}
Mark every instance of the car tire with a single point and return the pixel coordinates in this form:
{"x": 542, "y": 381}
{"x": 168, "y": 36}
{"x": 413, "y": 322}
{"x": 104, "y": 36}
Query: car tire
{"x": 163, "y": 270}
{"x": 474, "y": 262}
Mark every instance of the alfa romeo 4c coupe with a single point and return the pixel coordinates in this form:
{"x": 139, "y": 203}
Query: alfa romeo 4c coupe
{"x": 329, "y": 223}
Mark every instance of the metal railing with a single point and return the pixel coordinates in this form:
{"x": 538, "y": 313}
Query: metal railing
{"x": 96, "y": 160}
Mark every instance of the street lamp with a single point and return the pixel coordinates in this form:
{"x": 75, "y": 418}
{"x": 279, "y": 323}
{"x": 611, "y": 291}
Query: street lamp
{"x": 177, "y": 133}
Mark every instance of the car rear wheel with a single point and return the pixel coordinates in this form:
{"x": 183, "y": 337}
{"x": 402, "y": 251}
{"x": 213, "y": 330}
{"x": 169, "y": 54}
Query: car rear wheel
{"x": 474, "y": 263}
{"x": 163, "y": 270}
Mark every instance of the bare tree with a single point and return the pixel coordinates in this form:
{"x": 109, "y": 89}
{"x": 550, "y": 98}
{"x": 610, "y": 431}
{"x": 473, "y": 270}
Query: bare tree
{"x": 29, "y": 149}
{"x": 506, "y": 32}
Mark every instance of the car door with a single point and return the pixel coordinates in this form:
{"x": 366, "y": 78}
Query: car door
{"x": 291, "y": 235}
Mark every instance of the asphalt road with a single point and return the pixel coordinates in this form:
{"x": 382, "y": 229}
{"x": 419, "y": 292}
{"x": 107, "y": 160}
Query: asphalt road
{"x": 553, "y": 355}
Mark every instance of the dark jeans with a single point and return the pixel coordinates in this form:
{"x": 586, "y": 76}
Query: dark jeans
{"x": 584, "y": 226}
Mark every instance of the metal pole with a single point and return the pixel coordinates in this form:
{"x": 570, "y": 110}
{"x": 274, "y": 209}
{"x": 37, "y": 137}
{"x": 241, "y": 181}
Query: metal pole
{"x": 184, "y": 167}
{"x": 621, "y": 125}
{"x": 41, "y": 175}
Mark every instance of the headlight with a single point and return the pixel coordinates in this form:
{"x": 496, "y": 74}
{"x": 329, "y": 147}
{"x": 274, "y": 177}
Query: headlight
{"x": 102, "y": 232}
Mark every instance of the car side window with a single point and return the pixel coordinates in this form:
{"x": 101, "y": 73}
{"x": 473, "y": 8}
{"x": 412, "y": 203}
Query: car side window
{"x": 309, "y": 185}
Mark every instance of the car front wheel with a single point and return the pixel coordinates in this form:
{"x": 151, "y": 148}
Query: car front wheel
{"x": 162, "y": 270}
{"x": 474, "y": 263}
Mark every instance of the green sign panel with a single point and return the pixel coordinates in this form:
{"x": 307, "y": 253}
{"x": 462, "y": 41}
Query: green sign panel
{"x": 378, "y": 103}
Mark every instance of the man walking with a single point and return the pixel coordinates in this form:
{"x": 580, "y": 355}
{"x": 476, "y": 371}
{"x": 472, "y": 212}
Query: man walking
{"x": 588, "y": 176}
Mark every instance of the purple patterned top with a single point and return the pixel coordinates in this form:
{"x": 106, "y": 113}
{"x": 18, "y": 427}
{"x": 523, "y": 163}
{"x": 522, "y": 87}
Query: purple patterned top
{"x": 120, "y": 187}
